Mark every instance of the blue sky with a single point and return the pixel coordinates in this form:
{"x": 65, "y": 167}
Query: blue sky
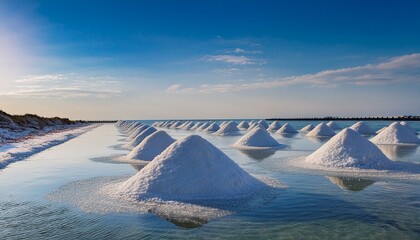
{"x": 209, "y": 59}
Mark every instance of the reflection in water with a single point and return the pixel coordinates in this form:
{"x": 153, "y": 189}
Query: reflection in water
{"x": 319, "y": 139}
{"x": 138, "y": 167}
{"x": 288, "y": 135}
{"x": 258, "y": 154}
{"x": 398, "y": 151}
{"x": 351, "y": 184}
{"x": 180, "y": 221}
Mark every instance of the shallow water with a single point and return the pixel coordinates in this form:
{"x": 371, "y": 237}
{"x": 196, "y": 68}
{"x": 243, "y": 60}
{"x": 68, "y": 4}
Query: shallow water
{"x": 313, "y": 206}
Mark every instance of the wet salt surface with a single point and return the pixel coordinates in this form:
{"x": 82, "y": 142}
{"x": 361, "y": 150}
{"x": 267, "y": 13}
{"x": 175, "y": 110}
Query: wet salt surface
{"x": 314, "y": 205}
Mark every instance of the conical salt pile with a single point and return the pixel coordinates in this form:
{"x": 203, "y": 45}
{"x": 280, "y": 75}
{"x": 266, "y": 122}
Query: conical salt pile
{"x": 274, "y": 126}
{"x": 243, "y": 125}
{"x": 188, "y": 126}
{"x": 263, "y": 123}
{"x": 137, "y": 131}
{"x": 405, "y": 124}
{"x": 228, "y": 129}
{"x": 307, "y": 128}
{"x": 258, "y": 138}
{"x": 396, "y": 134}
{"x": 151, "y": 146}
{"x": 212, "y": 128}
{"x": 362, "y": 128}
{"x": 190, "y": 168}
{"x": 286, "y": 129}
{"x": 333, "y": 125}
{"x": 321, "y": 130}
{"x": 175, "y": 125}
{"x": 197, "y": 125}
{"x": 349, "y": 149}
{"x": 203, "y": 126}
{"x": 137, "y": 140}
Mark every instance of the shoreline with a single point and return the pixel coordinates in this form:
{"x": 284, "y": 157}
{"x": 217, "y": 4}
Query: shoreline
{"x": 19, "y": 150}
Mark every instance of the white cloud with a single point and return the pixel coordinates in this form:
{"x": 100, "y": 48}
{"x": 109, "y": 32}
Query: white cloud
{"x": 63, "y": 93}
{"x": 231, "y": 59}
{"x": 243, "y": 51}
{"x": 402, "y": 69}
{"x": 65, "y": 86}
{"x": 226, "y": 71}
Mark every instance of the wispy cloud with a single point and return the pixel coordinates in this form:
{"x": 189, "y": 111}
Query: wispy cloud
{"x": 402, "y": 69}
{"x": 232, "y": 59}
{"x": 243, "y": 51}
{"x": 63, "y": 93}
{"x": 226, "y": 71}
{"x": 69, "y": 85}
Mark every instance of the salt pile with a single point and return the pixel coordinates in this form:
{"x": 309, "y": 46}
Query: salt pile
{"x": 349, "y": 149}
{"x": 190, "y": 168}
{"x": 197, "y": 125}
{"x": 228, "y": 129}
{"x": 263, "y": 123}
{"x": 175, "y": 125}
{"x": 243, "y": 125}
{"x": 203, "y": 126}
{"x": 137, "y": 131}
{"x": 188, "y": 126}
{"x": 212, "y": 128}
{"x": 307, "y": 128}
{"x": 396, "y": 134}
{"x": 333, "y": 125}
{"x": 362, "y": 128}
{"x": 258, "y": 138}
{"x": 131, "y": 127}
{"x": 137, "y": 140}
{"x": 405, "y": 124}
{"x": 222, "y": 124}
{"x": 274, "y": 126}
{"x": 286, "y": 129}
{"x": 321, "y": 130}
{"x": 151, "y": 146}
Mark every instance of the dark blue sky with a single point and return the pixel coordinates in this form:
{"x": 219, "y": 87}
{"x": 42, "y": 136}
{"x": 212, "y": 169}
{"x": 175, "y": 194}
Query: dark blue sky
{"x": 174, "y": 47}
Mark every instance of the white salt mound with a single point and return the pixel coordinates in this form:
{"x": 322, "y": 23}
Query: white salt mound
{"x": 362, "y": 128}
{"x": 307, "y": 128}
{"x": 243, "y": 125}
{"x": 188, "y": 126}
{"x": 333, "y": 125}
{"x": 203, "y": 126}
{"x": 212, "y": 128}
{"x": 228, "y": 129}
{"x": 258, "y": 138}
{"x": 286, "y": 129}
{"x": 321, "y": 130}
{"x": 137, "y": 131}
{"x": 263, "y": 123}
{"x": 396, "y": 134}
{"x": 197, "y": 125}
{"x": 137, "y": 140}
{"x": 175, "y": 124}
{"x": 405, "y": 124}
{"x": 274, "y": 126}
{"x": 349, "y": 149}
{"x": 190, "y": 168}
{"x": 151, "y": 146}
